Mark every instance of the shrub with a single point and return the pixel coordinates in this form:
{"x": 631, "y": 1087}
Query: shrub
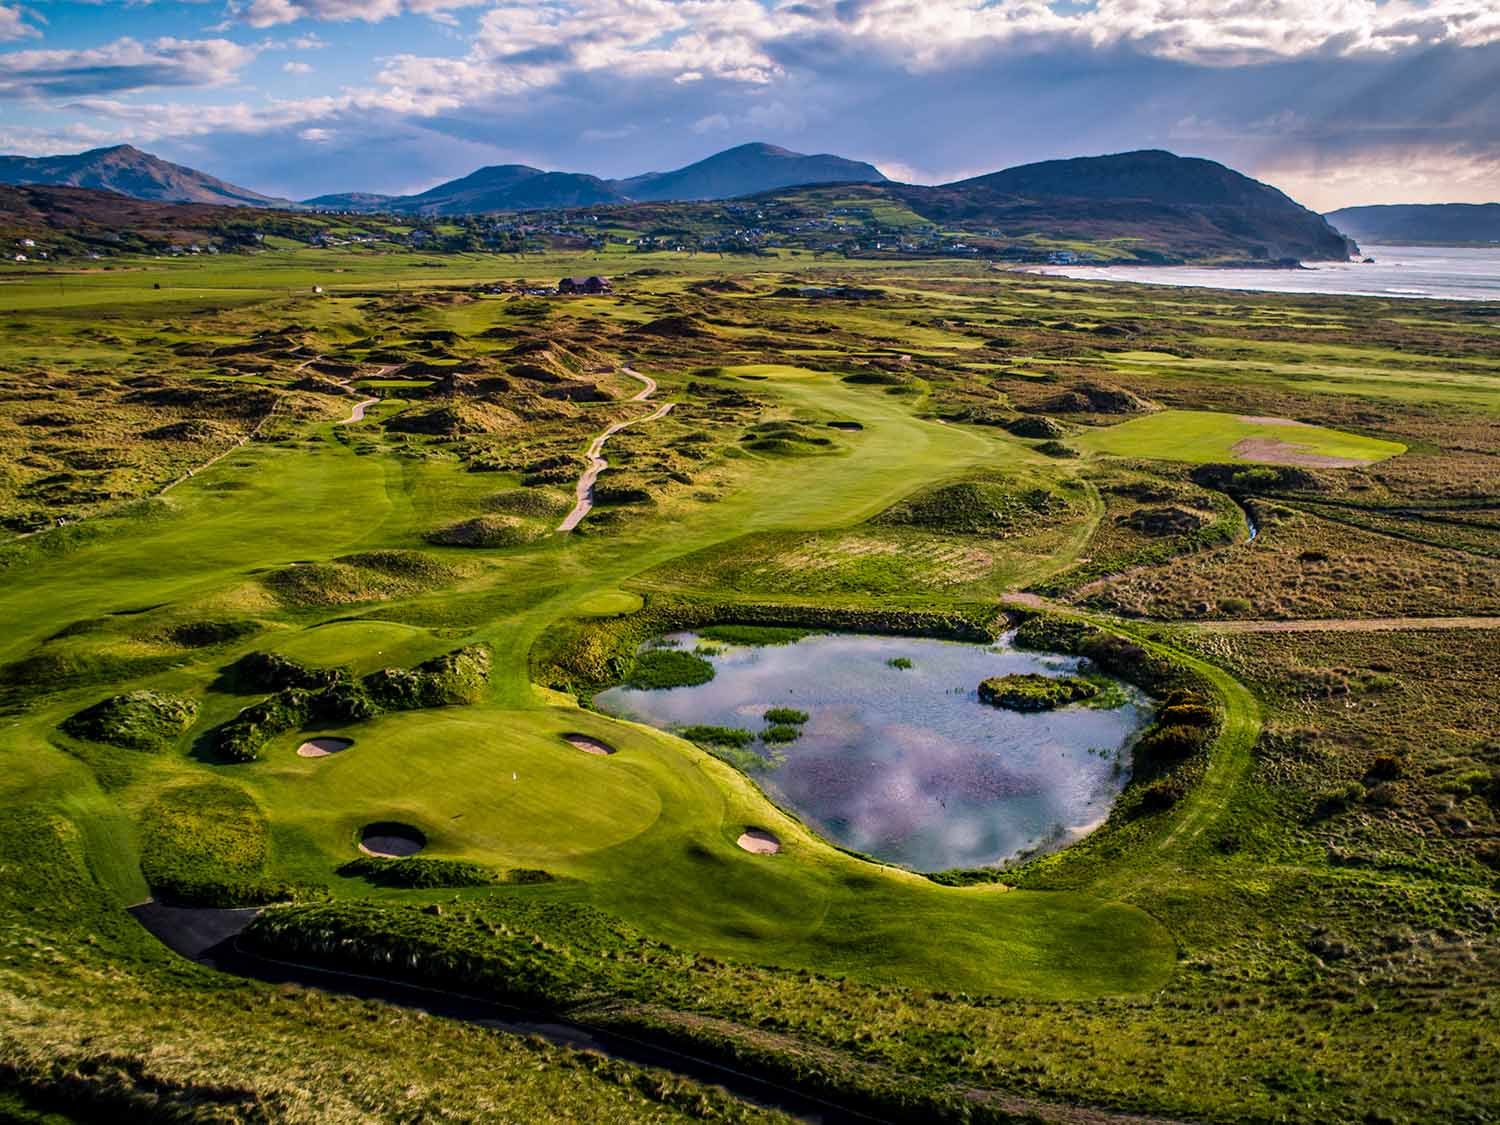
{"x": 138, "y": 720}
{"x": 784, "y": 716}
{"x": 1031, "y": 691}
{"x": 781, "y": 734}
{"x": 717, "y": 736}
{"x": 455, "y": 677}
{"x": 420, "y": 872}
{"x": 270, "y": 671}
{"x": 901, "y": 662}
{"x": 664, "y": 668}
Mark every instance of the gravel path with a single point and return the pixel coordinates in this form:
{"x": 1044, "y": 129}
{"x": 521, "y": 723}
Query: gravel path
{"x": 597, "y": 463}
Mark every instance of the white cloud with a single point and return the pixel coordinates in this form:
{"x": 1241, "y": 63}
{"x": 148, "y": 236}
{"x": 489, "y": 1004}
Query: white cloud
{"x": 316, "y": 136}
{"x": 269, "y": 13}
{"x": 296, "y": 68}
{"x": 14, "y": 25}
{"x": 713, "y": 123}
{"x": 121, "y": 66}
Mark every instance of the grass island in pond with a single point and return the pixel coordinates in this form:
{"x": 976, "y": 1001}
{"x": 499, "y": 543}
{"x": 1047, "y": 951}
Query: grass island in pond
{"x": 906, "y": 765}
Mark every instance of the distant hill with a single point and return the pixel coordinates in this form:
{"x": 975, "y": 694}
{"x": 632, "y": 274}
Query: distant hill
{"x": 129, "y": 171}
{"x": 1198, "y": 206}
{"x": 507, "y": 187}
{"x": 350, "y": 201}
{"x": 1420, "y": 222}
{"x": 746, "y": 170}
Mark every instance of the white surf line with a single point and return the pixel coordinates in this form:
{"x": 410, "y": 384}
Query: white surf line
{"x": 597, "y": 463}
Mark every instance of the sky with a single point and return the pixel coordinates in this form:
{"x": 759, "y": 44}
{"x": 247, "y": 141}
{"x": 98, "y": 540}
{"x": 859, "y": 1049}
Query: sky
{"x": 1336, "y": 102}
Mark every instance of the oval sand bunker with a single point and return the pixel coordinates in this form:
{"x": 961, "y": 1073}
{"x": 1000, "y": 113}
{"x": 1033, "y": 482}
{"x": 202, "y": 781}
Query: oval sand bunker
{"x": 322, "y": 747}
{"x": 588, "y": 744}
{"x": 391, "y": 840}
{"x": 759, "y": 841}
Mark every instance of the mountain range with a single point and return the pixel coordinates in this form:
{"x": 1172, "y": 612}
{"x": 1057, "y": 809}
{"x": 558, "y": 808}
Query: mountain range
{"x": 1420, "y": 222}
{"x": 1166, "y": 207}
{"x": 744, "y": 170}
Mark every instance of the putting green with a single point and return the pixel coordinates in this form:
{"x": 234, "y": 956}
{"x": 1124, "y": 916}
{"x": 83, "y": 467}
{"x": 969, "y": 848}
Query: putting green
{"x": 481, "y": 784}
{"x": 362, "y": 645}
{"x": 772, "y": 371}
{"x": 1202, "y": 435}
{"x": 609, "y": 603}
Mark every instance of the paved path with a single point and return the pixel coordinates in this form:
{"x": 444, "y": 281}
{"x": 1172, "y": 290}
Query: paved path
{"x": 357, "y": 411}
{"x": 597, "y": 464}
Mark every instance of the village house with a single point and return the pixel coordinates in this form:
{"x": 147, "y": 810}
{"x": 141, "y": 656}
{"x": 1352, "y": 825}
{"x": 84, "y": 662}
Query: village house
{"x": 594, "y": 284}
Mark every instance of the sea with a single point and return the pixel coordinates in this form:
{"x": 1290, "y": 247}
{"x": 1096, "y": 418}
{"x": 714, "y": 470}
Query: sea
{"x": 1448, "y": 273}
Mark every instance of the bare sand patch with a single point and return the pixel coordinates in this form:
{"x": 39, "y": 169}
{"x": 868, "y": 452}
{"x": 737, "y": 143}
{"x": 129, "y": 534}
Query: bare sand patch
{"x": 391, "y": 840}
{"x": 1270, "y": 451}
{"x": 759, "y": 841}
{"x": 587, "y": 744}
{"x": 323, "y": 747}
{"x": 1267, "y": 420}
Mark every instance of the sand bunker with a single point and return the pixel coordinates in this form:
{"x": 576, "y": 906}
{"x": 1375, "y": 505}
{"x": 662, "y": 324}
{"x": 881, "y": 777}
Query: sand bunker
{"x": 588, "y": 745}
{"x": 391, "y": 840}
{"x": 1270, "y": 451}
{"x": 322, "y": 747}
{"x": 759, "y": 841}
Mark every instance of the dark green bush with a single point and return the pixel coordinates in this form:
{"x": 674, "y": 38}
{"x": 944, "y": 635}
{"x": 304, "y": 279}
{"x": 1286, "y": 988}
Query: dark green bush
{"x": 782, "y": 734}
{"x": 664, "y": 668}
{"x": 420, "y": 872}
{"x": 717, "y": 736}
{"x": 782, "y": 716}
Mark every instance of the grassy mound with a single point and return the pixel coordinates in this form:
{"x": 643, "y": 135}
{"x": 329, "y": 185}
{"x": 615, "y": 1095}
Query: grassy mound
{"x": 350, "y": 579}
{"x": 1031, "y": 691}
{"x": 533, "y": 503}
{"x": 208, "y": 634}
{"x": 992, "y": 508}
{"x": 333, "y": 696}
{"x": 138, "y": 720}
{"x": 485, "y": 531}
{"x": 208, "y": 844}
{"x": 456, "y": 420}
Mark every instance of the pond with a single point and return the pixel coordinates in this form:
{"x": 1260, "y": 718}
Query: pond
{"x": 905, "y": 763}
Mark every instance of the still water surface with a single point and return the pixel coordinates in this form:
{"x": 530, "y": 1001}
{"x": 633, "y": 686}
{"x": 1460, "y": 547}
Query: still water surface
{"x": 1442, "y": 272}
{"x": 908, "y": 765}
